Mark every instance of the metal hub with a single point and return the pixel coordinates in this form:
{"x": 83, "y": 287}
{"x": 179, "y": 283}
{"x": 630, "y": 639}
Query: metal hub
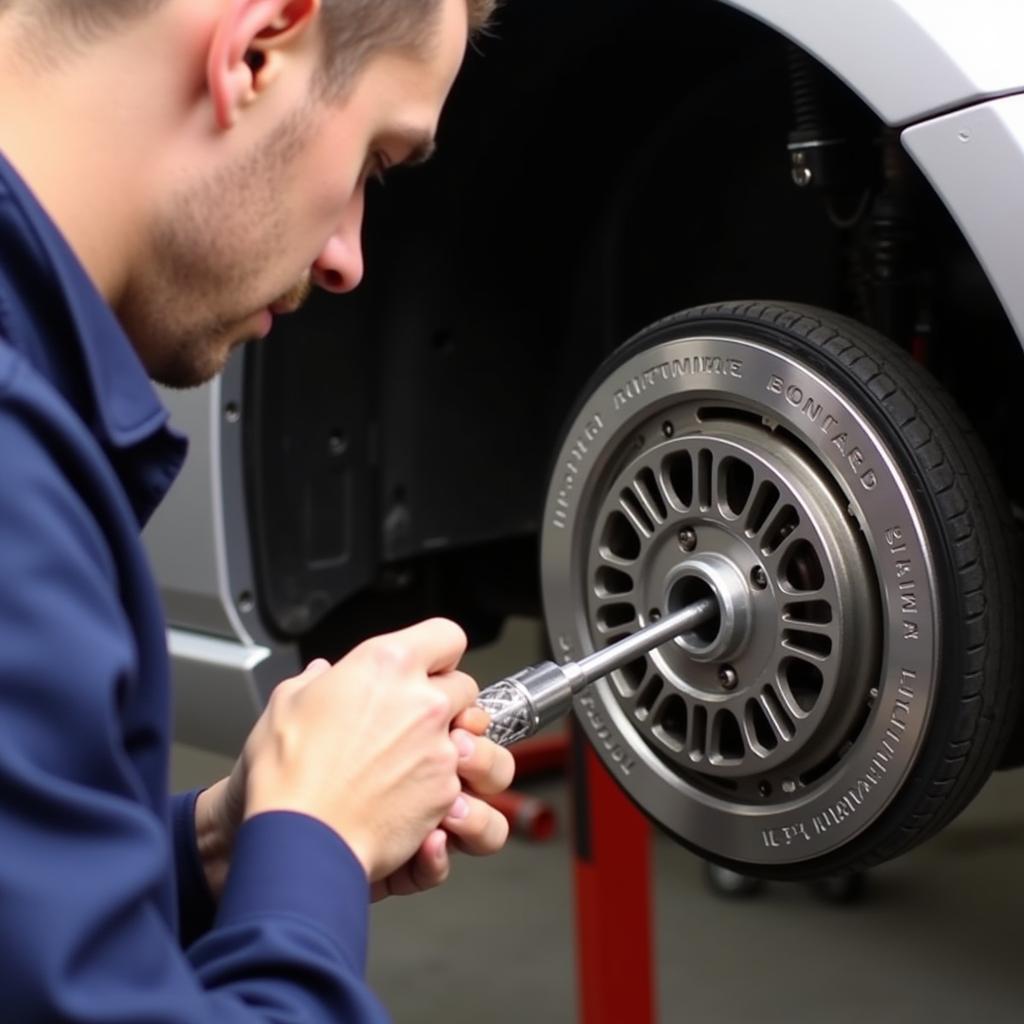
{"x": 751, "y": 695}
{"x": 717, "y": 577}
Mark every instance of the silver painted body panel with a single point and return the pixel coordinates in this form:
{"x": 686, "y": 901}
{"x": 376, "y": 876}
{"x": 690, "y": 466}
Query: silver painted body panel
{"x": 219, "y": 686}
{"x": 185, "y": 537}
{"x": 223, "y": 662}
{"x": 974, "y": 159}
{"x": 908, "y": 59}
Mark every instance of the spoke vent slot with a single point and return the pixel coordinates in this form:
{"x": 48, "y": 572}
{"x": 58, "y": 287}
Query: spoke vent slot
{"x": 818, "y": 612}
{"x": 804, "y": 682}
{"x": 699, "y": 732}
{"x": 704, "y": 460}
{"x": 679, "y": 468}
{"x": 785, "y": 522}
{"x": 815, "y": 644}
{"x": 729, "y": 739}
{"x": 648, "y": 697}
{"x": 777, "y": 715}
{"x": 612, "y": 583}
{"x": 636, "y": 511}
{"x": 801, "y": 567}
{"x": 612, "y": 616}
{"x": 761, "y": 508}
{"x": 757, "y": 724}
{"x": 735, "y": 484}
{"x": 620, "y": 539}
{"x": 631, "y": 676}
{"x": 648, "y": 486}
{"x": 671, "y": 722}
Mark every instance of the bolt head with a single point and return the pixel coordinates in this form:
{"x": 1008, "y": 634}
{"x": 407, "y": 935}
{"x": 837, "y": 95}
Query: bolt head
{"x": 687, "y": 539}
{"x": 758, "y": 577}
{"x": 728, "y": 678}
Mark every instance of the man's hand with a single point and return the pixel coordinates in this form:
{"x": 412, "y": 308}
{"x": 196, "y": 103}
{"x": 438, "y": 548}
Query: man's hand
{"x": 471, "y": 824}
{"x": 365, "y": 747}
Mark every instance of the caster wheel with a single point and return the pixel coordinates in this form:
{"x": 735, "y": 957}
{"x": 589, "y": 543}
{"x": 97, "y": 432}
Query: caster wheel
{"x": 842, "y": 889}
{"x": 729, "y": 883}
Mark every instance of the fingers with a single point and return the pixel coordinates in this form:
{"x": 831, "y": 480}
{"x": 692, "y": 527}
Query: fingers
{"x": 475, "y": 827}
{"x": 460, "y": 689}
{"x": 474, "y": 719}
{"x": 485, "y": 767}
{"x": 436, "y": 645}
{"x": 428, "y": 868}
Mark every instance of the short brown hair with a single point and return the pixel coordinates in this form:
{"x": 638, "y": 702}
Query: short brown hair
{"x": 353, "y": 30}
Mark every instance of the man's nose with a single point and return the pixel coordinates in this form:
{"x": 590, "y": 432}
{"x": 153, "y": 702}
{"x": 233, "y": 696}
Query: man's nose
{"x": 339, "y": 267}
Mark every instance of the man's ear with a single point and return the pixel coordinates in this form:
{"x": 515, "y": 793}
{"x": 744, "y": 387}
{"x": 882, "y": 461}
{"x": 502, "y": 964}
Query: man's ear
{"x": 244, "y": 51}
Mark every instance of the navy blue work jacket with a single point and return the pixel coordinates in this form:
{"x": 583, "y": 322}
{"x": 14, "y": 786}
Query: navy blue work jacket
{"x": 104, "y": 913}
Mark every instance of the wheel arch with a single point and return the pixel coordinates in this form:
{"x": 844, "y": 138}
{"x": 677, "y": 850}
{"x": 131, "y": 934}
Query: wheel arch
{"x": 961, "y": 53}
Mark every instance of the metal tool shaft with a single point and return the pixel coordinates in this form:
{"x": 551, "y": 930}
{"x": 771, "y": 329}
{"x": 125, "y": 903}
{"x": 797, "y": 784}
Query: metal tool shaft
{"x": 593, "y": 666}
{"x": 529, "y": 700}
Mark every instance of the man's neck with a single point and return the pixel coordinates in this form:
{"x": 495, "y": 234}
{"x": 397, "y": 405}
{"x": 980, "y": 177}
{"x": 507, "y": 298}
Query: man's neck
{"x": 79, "y": 135}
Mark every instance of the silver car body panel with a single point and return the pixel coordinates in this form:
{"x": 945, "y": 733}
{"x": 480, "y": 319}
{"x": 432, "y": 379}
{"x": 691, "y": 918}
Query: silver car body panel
{"x": 907, "y": 59}
{"x": 187, "y": 535}
{"x": 223, "y": 662}
{"x": 974, "y": 159}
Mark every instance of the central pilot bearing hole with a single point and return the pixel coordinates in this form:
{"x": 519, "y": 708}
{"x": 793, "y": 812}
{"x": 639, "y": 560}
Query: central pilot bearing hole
{"x": 687, "y": 590}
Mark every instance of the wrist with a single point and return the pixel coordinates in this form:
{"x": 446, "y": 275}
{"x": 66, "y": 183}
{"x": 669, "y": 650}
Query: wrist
{"x": 214, "y": 841}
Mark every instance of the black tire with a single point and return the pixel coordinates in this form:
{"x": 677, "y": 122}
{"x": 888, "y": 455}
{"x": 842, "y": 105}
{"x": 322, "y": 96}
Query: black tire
{"x": 972, "y": 540}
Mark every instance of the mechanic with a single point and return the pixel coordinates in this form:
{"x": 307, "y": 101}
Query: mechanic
{"x": 175, "y": 173}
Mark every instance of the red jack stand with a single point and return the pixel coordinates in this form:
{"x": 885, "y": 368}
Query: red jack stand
{"x": 612, "y": 868}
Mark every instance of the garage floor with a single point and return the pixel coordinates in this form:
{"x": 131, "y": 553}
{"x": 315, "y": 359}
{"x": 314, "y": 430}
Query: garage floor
{"x": 936, "y": 939}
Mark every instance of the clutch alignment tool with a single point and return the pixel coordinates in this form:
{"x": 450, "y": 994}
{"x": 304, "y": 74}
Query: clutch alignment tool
{"x": 524, "y": 703}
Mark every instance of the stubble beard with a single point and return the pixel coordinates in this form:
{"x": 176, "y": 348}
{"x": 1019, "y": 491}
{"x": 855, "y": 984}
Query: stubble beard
{"x": 196, "y": 299}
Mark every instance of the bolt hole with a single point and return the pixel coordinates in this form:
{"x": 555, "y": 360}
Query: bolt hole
{"x": 232, "y": 412}
{"x": 765, "y": 788}
{"x": 654, "y": 615}
{"x": 758, "y": 578}
{"x": 667, "y": 429}
{"x": 246, "y": 602}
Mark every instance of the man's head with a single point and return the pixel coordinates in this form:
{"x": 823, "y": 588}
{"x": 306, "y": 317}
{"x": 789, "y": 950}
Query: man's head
{"x": 264, "y": 120}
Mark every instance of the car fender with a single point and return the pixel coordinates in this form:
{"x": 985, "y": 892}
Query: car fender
{"x": 907, "y": 59}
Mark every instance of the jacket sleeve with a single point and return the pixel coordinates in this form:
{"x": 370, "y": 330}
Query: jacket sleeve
{"x": 86, "y": 864}
{"x": 196, "y": 906}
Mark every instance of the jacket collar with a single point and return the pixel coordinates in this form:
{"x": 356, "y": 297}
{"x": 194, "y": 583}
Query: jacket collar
{"x": 123, "y": 407}
{"x": 52, "y": 313}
